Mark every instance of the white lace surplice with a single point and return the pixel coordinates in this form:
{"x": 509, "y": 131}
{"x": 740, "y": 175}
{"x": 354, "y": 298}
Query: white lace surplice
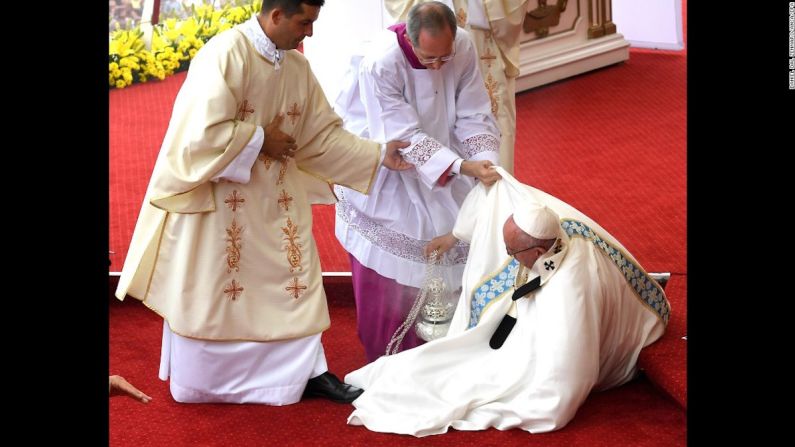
{"x": 446, "y": 115}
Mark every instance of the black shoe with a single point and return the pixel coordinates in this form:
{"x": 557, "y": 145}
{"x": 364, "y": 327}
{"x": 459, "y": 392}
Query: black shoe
{"x": 328, "y": 386}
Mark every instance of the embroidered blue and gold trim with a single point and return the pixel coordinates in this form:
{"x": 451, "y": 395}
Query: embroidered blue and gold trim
{"x": 490, "y": 289}
{"x": 646, "y": 289}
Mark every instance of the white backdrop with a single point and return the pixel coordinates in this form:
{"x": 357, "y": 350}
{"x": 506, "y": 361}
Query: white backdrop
{"x": 340, "y": 30}
{"x": 650, "y": 23}
{"x": 344, "y": 24}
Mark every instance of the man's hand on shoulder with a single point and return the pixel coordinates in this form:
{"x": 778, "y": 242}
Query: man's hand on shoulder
{"x": 393, "y": 159}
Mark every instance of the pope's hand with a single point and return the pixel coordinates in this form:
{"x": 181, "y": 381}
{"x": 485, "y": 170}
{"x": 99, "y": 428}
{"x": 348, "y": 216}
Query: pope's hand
{"x": 441, "y": 244}
{"x": 393, "y": 160}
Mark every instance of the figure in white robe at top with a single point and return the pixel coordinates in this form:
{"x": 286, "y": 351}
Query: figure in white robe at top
{"x": 496, "y": 28}
{"x": 417, "y": 82}
{"x": 581, "y": 329}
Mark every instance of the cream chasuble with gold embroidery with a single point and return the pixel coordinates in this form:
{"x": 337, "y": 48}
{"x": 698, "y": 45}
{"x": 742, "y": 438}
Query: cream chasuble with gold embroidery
{"x": 237, "y": 261}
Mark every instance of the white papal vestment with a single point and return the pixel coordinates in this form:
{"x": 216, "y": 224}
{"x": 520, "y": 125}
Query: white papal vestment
{"x": 581, "y": 330}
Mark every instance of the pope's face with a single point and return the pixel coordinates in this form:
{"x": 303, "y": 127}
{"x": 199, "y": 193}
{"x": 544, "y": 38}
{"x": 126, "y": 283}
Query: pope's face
{"x": 290, "y": 31}
{"x": 517, "y": 246}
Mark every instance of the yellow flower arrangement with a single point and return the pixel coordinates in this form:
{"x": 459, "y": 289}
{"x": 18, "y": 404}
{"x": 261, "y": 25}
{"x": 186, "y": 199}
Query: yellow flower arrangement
{"x": 174, "y": 42}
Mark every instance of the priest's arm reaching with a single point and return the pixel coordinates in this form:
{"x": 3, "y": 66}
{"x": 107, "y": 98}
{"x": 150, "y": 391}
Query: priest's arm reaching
{"x": 480, "y": 169}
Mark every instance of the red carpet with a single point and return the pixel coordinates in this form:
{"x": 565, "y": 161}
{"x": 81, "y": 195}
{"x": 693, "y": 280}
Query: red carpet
{"x": 634, "y": 414}
{"x": 665, "y": 361}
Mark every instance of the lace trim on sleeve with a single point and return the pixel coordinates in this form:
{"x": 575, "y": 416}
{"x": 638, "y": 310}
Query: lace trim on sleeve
{"x": 422, "y": 151}
{"x": 480, "y": 143}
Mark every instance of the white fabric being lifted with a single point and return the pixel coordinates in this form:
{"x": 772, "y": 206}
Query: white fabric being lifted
{"x": 581, "y": 330}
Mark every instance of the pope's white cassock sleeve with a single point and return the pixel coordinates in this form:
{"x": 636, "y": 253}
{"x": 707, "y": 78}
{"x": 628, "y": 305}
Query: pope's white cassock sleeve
{"x": 581, "y": 330}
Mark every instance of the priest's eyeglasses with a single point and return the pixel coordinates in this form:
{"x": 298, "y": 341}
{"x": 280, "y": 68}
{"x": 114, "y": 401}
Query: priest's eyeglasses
{"x": 513, "y": 253}
{"x": 434, "y": 60}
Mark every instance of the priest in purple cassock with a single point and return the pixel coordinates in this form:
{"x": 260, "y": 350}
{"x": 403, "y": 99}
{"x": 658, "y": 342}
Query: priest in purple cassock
{"x": 418, "y": 81}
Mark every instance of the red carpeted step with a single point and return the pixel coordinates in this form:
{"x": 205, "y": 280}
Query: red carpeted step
{"x": 665, "y": 361}
{"x": 634, "y": 414}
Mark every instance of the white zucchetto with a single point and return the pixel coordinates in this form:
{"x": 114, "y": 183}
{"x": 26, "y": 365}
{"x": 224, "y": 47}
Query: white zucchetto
{"x": 538, "y": 221}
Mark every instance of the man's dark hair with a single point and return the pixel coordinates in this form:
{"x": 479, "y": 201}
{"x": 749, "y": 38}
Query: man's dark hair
{"x": 289, "y": 7}
{"x": 433, "y": 17}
